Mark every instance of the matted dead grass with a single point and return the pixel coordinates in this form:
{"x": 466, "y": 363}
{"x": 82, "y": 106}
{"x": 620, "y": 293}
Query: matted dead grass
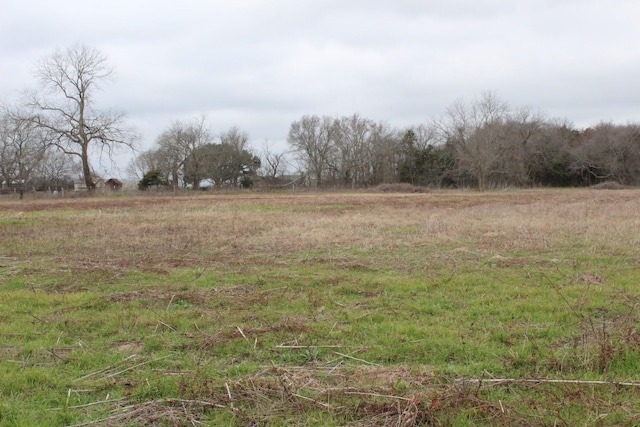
{"x": 366, "y": 395}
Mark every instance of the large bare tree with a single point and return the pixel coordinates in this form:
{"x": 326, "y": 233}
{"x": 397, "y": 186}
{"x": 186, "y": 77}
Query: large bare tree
{"x": 64, "y": 106}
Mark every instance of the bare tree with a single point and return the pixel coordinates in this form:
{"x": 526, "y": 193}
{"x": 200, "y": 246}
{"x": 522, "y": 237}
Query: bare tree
{"x": 624, "y": 154}
{"x": 22, "y": 148}
{"x": 550, "y": 157}
{"x": 273, "y": 164}
{"x": 385, "y": 153}
{"x": 236, "y": 138}
{"x": 56, "y": 170}
{"x": 311, "y": 138}
{"x": 353, "y": 138}
{"x": 608, "y": 152}
{"x": 145, "y": 162}
{"x": 521, "y": 130}
{"x": 65, "y": 106}
{"x": 177, "y": 144}
{"x": 475, "y": 130}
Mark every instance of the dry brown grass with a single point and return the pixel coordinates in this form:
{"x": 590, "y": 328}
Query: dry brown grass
{"x": 233, "y": 230}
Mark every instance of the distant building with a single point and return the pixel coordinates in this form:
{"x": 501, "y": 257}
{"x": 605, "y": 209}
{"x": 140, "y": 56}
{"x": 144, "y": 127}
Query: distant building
{"x": 113, "y": 184}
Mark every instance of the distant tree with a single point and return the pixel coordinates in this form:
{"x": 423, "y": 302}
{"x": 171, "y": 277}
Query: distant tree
{"x": 353, "y": 137}
{"x": 246, "y": 181}
{"x": 236, "y": 138}
{"x": 550, "y": 159}
{"x": 624, "y": 154}
{"x": 409, "y": 167}
{"x": 311, "y": 138}
{"x": 152, "y": 178}
{"x": 22, "y": 149}
{"x": 177, "y": 144}
{"x": 385, "y": 155}
{"x": 522, "y": 129}
{"x": 475, "y": 131}
{"x": 55, "y": 171}
{"x": 144, "y": 162}
{"x": 64, "y": 107}
{"x": 242, "y": 158}
{"x": 424, "y": 162}
{"x": 608, "y": 152}
{"x": 222, "y": 163}
{"x": 273, "y": 164}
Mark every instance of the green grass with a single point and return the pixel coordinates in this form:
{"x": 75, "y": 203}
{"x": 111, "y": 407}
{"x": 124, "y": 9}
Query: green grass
{"x": 229, "y": 326}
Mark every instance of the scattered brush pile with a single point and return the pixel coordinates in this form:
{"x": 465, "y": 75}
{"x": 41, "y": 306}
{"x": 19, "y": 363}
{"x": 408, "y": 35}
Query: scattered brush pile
{"x": 391, "y": 397}
{"x": 363, "y": 396}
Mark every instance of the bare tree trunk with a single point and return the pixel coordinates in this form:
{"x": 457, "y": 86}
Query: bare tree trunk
{"x": 86, "y": 170}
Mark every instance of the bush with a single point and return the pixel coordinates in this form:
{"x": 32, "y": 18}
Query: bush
{"x": 246, "y": 182}
{"x": 151, "y": 179}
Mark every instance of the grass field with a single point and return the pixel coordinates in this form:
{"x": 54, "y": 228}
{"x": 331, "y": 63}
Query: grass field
{"x": 340, "y": 309}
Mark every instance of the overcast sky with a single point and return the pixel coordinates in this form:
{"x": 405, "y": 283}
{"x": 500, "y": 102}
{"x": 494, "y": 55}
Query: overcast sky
{"x": 260, "y": 65}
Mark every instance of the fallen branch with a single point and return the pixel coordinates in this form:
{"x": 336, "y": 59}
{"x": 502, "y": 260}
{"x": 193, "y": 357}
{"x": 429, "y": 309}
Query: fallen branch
{"x": 308, "y": 346}
{"x": 134, "y": 366}
{"x": 86, "y": 405}
{"x": 324, "y": 405}
{"x": 103, "y": 370}
{"x": 355, "y": 358}
{"x": 386, "y": 396}
{"x": 498, "y": 381}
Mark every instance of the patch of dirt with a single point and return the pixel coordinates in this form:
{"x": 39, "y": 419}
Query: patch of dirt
{"x": 591, "y": 279}
{"x": 129, "y": 346}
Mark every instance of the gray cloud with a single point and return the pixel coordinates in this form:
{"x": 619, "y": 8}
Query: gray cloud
{"x": 261, "y": 65}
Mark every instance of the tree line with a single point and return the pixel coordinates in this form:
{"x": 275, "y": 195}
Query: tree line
{"x": 48, "y": 139}
{"x": 483, "y": 144}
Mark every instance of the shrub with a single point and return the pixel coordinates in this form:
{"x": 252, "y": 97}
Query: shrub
{"x": 152, "y": 178}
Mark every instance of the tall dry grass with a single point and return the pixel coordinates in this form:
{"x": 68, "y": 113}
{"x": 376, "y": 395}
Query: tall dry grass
{"x": 138, "y": 232}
